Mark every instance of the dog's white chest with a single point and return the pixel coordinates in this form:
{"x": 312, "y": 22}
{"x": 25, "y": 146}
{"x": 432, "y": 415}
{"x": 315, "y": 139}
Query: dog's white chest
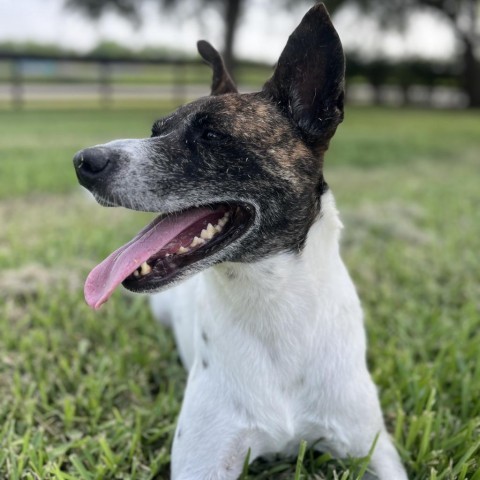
{"x": 272, "y": 334}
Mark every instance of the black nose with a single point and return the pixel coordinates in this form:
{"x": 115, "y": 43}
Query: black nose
{"x": 92, "y": 165}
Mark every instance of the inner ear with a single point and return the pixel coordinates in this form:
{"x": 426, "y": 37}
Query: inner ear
{"x": 221, "y": 81}
{"x": 308, "y": 82}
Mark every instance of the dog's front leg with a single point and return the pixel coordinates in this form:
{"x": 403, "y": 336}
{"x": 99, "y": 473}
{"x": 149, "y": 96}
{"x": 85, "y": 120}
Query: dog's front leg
{"x": 212, "y": 439}
{"x": 385, "y": 460}
{"x": 359, "y": 427}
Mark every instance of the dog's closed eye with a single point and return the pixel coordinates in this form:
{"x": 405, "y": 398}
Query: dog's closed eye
{"x": 209, "y": 135}
{"x": 206, "y": 135}
{"x": 203, "y": 129}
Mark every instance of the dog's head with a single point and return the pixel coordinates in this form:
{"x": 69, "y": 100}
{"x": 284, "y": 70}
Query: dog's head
{"x": 237, "y": 177}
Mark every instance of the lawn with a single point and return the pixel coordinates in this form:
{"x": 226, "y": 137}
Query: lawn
{"x": 94, "y": 395}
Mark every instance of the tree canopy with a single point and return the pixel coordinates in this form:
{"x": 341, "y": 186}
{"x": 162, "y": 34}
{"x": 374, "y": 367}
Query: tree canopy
{"x": 463, "y": 16}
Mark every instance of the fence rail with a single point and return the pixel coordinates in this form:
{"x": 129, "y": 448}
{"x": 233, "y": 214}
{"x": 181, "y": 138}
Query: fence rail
{"x": 15, "y": 74}
{"x": 47, "y": 77}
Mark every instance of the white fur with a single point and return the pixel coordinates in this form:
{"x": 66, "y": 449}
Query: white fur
{"x": 276, "y": 355}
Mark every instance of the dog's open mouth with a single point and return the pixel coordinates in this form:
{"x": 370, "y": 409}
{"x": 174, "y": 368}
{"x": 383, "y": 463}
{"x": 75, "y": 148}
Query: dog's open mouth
{"x": 165, "y": 248}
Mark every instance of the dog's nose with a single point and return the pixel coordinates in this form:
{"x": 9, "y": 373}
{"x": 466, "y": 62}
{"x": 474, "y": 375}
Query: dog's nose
{"x": 91, "y": 164}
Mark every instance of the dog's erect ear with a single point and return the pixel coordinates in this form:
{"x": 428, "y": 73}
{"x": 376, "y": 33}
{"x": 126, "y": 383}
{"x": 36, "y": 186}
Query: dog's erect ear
{"x": 221, "y": 81}
{"x": 308, "y": 81}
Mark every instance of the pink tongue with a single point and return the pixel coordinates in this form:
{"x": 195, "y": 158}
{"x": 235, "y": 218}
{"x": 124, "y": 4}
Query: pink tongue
{"x": 105, "y": 277}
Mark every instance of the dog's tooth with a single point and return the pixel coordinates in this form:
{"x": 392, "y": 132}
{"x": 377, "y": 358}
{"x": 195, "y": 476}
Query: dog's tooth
{"x": 197, "y": 241}
{"x": 145, "y": 268}
{"x": 136, "y": 273}
{"x": 222, "y": 222}
{"x": 183, "y": 250}
{"x": 218, "y": 228}
{"x": 211, "y": 230}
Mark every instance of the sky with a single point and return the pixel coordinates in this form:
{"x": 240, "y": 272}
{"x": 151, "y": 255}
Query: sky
{"x": 261, "y": 36}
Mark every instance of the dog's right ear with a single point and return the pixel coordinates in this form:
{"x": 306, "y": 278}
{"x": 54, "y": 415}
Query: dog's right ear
{"x": 221, "y": 81}
{"x": 308, "y": 81}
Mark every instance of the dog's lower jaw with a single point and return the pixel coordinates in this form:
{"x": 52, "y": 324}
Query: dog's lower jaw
{"x": 276, "y": 353}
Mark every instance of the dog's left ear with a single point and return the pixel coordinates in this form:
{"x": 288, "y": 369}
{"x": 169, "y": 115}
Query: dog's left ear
{"x": 308, "y": 82}
{"x": 221, "y": 81}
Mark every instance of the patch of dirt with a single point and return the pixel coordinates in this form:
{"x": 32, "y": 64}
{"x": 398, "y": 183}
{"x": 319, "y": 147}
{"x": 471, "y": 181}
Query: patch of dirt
{"x": 402, "y": 221}
{"x": 20, "y": 286}
{"x": 28, "y": 280}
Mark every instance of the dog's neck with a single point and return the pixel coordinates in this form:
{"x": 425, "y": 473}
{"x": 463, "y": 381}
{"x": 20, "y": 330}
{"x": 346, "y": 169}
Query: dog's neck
{"x": 285, "y": 290}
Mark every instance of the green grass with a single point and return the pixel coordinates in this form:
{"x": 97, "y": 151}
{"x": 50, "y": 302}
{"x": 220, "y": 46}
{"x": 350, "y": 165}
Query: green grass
{"x": 90, "y": 395}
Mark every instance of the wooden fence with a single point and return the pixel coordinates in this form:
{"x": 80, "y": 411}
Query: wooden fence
{"x": 16, "y": 77}
{"x": 177, "y": 80}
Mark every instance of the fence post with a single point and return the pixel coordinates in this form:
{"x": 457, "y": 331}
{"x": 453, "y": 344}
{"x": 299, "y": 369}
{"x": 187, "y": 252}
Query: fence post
{"x": 179, "y": 83}
{"x": 105, "y": 86}
{"x": 17, "y": 84}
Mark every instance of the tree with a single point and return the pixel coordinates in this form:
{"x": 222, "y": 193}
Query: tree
{"x": 463, "y": 16}
{"x": 231, "y": 11}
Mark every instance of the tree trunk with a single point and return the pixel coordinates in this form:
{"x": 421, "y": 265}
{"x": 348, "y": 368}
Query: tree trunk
{"x": 467, "y": 35}
{"x": 471, "y": 74}
{"x": 232, "y": 14}
{"x": 377, "y": 93}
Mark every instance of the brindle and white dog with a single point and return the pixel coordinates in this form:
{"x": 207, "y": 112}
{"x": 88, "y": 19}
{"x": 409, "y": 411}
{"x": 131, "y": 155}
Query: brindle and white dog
{"x": 271, "y": 331}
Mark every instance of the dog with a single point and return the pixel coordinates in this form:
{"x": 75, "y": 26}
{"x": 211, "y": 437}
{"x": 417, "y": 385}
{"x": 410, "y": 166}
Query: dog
{"x": 266, "y": 318}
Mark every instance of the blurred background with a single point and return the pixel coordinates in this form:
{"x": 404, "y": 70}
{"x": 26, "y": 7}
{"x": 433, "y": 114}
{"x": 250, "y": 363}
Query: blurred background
{"x": 95, "y": 395}
{"x": 401, "y": 52}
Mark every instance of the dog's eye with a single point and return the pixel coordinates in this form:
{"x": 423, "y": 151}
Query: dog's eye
{"x": 211, "y": 136}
